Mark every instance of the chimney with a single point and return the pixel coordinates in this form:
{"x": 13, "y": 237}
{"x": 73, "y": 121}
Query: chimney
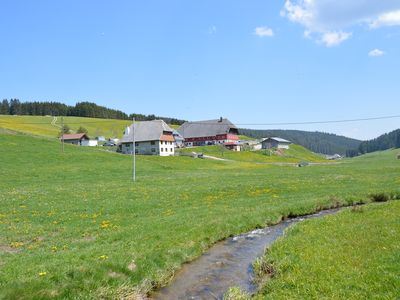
{"x": 220, "y": 120}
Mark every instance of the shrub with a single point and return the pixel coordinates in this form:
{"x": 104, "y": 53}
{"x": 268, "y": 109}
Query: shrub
{"x": 262, "y": 268}
{"x": 65, "y": 129}
{"x": 379, "y": 197}
{"x": 82, "y": 130}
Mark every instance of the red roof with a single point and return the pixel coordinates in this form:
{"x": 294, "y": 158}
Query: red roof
{"x": 75, "y": 136}
{"x": 167, "y": 138}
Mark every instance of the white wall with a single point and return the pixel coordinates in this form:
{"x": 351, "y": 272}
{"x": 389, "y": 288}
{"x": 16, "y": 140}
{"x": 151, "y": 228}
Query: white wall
{"x": 166, "y": 148}
{"x": 150, "y": 148}
{"x": 89, "y": 143}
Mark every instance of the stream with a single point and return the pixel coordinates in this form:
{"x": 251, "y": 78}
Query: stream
{"x": 227, "y": 264}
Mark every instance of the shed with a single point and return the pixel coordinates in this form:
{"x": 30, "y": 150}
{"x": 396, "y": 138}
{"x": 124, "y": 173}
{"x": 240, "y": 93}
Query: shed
{"x": 75, "y": 138}
{"x": 275, "y": 142}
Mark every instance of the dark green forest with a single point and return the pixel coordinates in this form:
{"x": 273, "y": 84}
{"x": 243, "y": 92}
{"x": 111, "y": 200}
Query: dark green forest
{"x": 81, "y": 109}
{"x": 383, "y": 142}
{"x": 318, "y": 142}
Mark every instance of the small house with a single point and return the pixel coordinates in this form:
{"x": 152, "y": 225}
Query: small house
{"x": 333, "y": 157}
{"x": 275, "y": 142}
{"x": 232, "y": 146}
{"x": 252, "y": 145}
{"x": 151, "y": 138}
{"x": 179, "y": 140}
{"x": 114, "y": 140}
{"x": 75, "y": 138}
{"x": 100, "y": 138}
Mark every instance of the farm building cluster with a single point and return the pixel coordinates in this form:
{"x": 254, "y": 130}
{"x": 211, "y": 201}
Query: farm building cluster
{"x": 157, "y": 138}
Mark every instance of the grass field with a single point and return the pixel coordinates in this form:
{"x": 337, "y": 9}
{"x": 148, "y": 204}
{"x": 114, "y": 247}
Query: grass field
{"x": 42, "y": 126}
{"x": 294, "y": 154}
{"x": 74, "y": 225}
{"x": 352, "y": 255}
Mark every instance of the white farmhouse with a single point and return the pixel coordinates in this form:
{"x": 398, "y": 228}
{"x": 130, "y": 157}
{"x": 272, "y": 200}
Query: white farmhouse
{"x": 151, "y": 138}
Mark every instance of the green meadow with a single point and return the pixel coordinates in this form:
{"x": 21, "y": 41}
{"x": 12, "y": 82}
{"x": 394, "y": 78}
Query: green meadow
{"x": 44, "y": 125}
{"x": 354, "y": 254}
{"x": 73, "y": 225}
{"x": 294, "y": 154}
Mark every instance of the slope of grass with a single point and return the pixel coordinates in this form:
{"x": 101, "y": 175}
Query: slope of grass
{"x": 42, "y": 125}
{"x": 352, "y": 255}
{"x": 246, "y": 138}
{"x": 294, "y": 154}
{"x": 74, "y": 225}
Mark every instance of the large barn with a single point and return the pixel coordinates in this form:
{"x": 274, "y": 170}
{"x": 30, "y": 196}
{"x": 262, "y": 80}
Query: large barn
{"x": 151, "y": 138}
{"x": 211, "y": 132}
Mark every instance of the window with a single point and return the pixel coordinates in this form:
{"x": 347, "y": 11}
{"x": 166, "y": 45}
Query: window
{"x": 171, "y": 149}
{"x": 136, "y": 151}
{"x": 153, "y": 143}
{"x": 153, "y": 149}
{"x": 136, "y": 144}
{"x": 162, "y": 149}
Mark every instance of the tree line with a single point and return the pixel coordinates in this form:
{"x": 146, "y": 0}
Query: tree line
{"x": 80, "y": 109}
{"x": 383, "y": 142}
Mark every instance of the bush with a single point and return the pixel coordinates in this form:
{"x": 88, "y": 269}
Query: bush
{"x": 262, "y": 268}
{"x": 379, "y": 197}
{"x": 65, "y": 129}
{"x": 82, "y": 130}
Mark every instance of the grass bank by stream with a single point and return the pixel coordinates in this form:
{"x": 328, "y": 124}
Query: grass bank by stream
{"x": 354, "y": 254}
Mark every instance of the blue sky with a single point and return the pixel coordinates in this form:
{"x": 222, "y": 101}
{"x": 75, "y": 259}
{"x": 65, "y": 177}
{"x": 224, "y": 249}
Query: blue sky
{"x": 250, "y": 61}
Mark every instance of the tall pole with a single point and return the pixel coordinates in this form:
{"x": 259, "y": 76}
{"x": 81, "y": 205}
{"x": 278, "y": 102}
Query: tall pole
{"x": 62, "y": 134}
{"x": 134, "y": 150}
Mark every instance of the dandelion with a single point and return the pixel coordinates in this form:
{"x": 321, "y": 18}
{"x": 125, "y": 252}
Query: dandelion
{"x": 16, "y": 244}
{"x": 54, "y": 248}
{"x": 103, "y": 257}
{"x": 41, "y": 274}
{"x": 105, "y": 224}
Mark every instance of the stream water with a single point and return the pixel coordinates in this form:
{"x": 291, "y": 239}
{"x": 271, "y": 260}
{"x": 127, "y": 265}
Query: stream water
{"x": 226, "y": 264}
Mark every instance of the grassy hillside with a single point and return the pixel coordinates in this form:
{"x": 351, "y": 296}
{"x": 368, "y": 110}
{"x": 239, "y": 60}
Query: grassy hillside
{"x": 294, "y": 154}
{"x": 352, "y": 255}
{"x": 42, "y": 126}
{"x": 74, "y": 225}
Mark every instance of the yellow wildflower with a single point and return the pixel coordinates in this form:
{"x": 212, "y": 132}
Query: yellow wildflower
{"x": 16, "y": 244}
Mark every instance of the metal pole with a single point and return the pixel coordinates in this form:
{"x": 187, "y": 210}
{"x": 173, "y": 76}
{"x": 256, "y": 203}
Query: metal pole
{"x": 62, "y": 134}
{"x": 134, "y": 150}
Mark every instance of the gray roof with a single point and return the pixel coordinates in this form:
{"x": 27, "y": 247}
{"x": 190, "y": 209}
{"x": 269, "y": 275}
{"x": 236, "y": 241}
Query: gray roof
{"x": 277, "y": 139}
{"x": 205, "y": 128}
{"x": 146, "y": 131}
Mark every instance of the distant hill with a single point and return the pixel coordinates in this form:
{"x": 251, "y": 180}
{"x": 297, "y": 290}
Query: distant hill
{"x": 81, "y": 109}
{"x": 318, "y": 142}
{"x": 383, "y": 142}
